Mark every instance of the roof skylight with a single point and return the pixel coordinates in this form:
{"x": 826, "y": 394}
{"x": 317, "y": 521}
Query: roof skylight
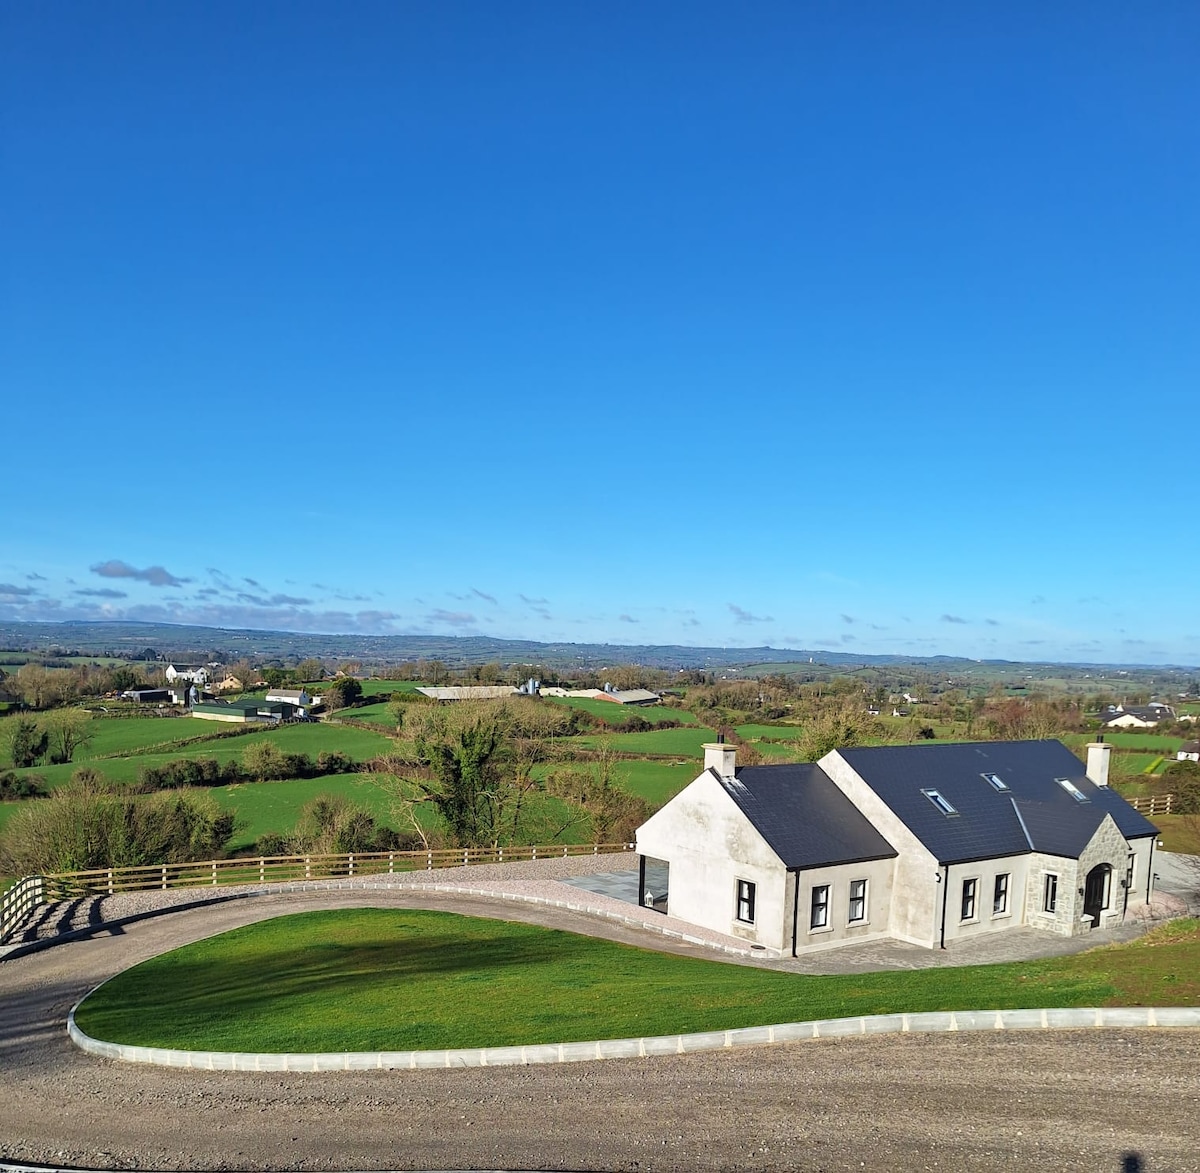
{"x": 997, "y": 783}
{"x": 940, "y": 801}
{"x": 1073, "y": 790}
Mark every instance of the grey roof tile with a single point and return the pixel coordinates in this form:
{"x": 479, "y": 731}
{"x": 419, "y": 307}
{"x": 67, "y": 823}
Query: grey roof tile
{"x": 805, "y": 818}
{"x": 986, "y": 823}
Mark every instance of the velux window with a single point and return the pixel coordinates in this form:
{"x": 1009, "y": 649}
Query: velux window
{"x": 1073, "y": 790}
{"x": 940, "y": 801}
{"x": 995, "y": 781}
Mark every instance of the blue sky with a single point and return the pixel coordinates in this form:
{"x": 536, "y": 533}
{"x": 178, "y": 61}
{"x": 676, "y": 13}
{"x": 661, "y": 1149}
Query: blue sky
{"x": 870, "y": 326}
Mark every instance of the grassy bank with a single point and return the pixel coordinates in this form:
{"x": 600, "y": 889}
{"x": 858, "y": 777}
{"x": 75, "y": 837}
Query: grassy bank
{"x": 376, "y": 979}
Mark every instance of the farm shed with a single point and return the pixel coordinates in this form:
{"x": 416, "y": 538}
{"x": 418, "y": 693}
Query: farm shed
{"x": 469, "y": 692}
{"x": 922, "y": 843}
{"x": 244, "y": 712}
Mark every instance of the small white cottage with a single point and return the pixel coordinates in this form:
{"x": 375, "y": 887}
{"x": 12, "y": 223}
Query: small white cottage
{"x": 922, "y": 843}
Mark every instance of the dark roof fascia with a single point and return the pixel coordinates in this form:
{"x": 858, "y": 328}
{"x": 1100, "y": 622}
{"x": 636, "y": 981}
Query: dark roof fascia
{"x": 844, "y": 863}
{"x": 943, "y": 863}
{"x": 1131, "y": 838}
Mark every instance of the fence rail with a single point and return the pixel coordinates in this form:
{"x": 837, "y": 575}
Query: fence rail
{"x": 17, "y": 905}
{"x": 1154, "y": 804}
{"x": 21, "y": 901}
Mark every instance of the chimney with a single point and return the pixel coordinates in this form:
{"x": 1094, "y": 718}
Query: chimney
{"x": 1098, "y": 757}
{"x": 720, "y": 757}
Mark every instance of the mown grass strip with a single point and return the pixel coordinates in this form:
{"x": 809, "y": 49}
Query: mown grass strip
{"x": 393, "y": 979}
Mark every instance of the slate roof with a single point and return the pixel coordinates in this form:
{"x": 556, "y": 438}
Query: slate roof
{"x": 807, "y": 821}
{"x": 1034, "y": 813}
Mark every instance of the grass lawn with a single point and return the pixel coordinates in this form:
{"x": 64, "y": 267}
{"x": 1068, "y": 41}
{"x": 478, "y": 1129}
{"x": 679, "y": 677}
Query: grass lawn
{"x": 684, "y": 743}
{"x": 392, "y": 979}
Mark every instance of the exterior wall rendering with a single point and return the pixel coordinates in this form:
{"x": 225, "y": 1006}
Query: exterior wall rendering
{"x": 703, "y": 882}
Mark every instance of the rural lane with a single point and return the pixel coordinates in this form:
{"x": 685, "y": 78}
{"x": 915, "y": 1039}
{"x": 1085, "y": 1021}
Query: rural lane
{"x": 1045, "y": 1101}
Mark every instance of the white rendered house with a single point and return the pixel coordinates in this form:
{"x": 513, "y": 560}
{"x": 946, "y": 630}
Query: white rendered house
{"x": 923, "y": 843}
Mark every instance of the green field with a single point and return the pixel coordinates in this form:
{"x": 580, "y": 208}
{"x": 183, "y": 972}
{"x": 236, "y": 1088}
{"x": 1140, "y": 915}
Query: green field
{"x": 360, "y": 744}
{"x": 379, "y": 714}
{"x": 263, "y": 807}
{"x": 389, "y": 979}
{"x": 683, "y": 743}
{"x": 770, "y": 732}
{"x": 615, "y": 714}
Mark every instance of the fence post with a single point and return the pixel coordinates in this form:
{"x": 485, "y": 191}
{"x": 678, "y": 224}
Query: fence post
{"x": 351, "y": 858}
{"x": 214, "y": 873}
{"x": 465, "y": 859}
{"x": 429, "y": 865}
{"x": 308, "y": 867}
{"x": 262, "y": 870}
{"x": 534, "y": 856}
{"x": 164, "y": 877}
{"x": 110, "y": 881}
{"x": 391, "y": 863}
{"x": 1168, "y": 810}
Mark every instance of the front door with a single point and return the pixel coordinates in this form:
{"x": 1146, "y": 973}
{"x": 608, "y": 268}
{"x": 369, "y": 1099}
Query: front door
{"x": 1095, "y": 892}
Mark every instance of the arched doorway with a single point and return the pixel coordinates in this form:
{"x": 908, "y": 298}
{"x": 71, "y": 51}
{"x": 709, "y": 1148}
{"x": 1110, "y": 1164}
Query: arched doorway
{"x": 1097, "y": 891}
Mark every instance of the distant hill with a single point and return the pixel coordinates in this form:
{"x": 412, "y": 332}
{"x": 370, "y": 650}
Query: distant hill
{"x": 176, "y": 641}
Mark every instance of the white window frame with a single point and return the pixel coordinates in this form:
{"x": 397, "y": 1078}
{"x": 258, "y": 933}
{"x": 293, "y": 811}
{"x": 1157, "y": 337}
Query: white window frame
{"x": 1073, "y": 790}
{"x": 745, "y": 896}
{"x": 1004, "y": 894}
{"x": 970, "y": 892}
{"x": 1131, "y": 872}
{"x": 822, "y": 905}
{"x": 860, "y": 899}
{"x": 995, "y": 781}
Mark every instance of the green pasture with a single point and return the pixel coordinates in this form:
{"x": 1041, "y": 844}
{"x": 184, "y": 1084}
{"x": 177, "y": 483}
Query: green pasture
{"x": 770, "y": 732}
{"x": 262, "y": 807}
{"x": 685, "y": 742}
{"x": 615, "y": 714}
{"x": 395, "y": 979}
{"x": 379, "y": 714}
{"x": 655, "y": 781}
{"x": 359, "y": 744}
{"x": 1132, "y": 741}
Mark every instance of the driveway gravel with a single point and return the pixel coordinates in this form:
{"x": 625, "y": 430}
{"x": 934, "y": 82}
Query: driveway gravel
{"x": 1045, "y": 1101}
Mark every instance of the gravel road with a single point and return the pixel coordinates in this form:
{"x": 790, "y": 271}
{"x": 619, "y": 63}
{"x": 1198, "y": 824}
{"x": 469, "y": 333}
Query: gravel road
{"x": 1069, "y": 1101}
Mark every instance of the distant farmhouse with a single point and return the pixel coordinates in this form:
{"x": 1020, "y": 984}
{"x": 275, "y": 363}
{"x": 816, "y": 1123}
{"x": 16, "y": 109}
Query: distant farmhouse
{"x": 1136, "y": 716}
{"x": 199, "y": 674}
{"x": 1189, "y": 751}
{"x": 924, "y": 843}
{"x": 297, "y": 698}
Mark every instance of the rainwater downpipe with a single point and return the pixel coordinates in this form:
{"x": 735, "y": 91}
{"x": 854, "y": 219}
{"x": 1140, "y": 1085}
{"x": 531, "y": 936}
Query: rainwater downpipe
{"x": 1150, "y": 870}
{"x": 945, "y": 879}
{"x": 795, "y": 909}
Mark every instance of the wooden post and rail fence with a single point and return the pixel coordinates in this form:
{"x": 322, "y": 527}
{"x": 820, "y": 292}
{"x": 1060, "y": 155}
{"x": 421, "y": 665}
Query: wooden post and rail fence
{"x": 22, "y": 900}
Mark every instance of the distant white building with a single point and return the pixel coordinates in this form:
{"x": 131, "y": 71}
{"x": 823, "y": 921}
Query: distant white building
{"x": 1189, "y": 751}
{"x": 196, "y": 675}
{"x": 469, "y": 692}
{"x": 298, "y": 698}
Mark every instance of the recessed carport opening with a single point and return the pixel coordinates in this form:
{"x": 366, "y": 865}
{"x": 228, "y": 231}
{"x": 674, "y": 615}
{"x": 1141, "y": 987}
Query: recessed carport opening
{"x": 654, "y": 880}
